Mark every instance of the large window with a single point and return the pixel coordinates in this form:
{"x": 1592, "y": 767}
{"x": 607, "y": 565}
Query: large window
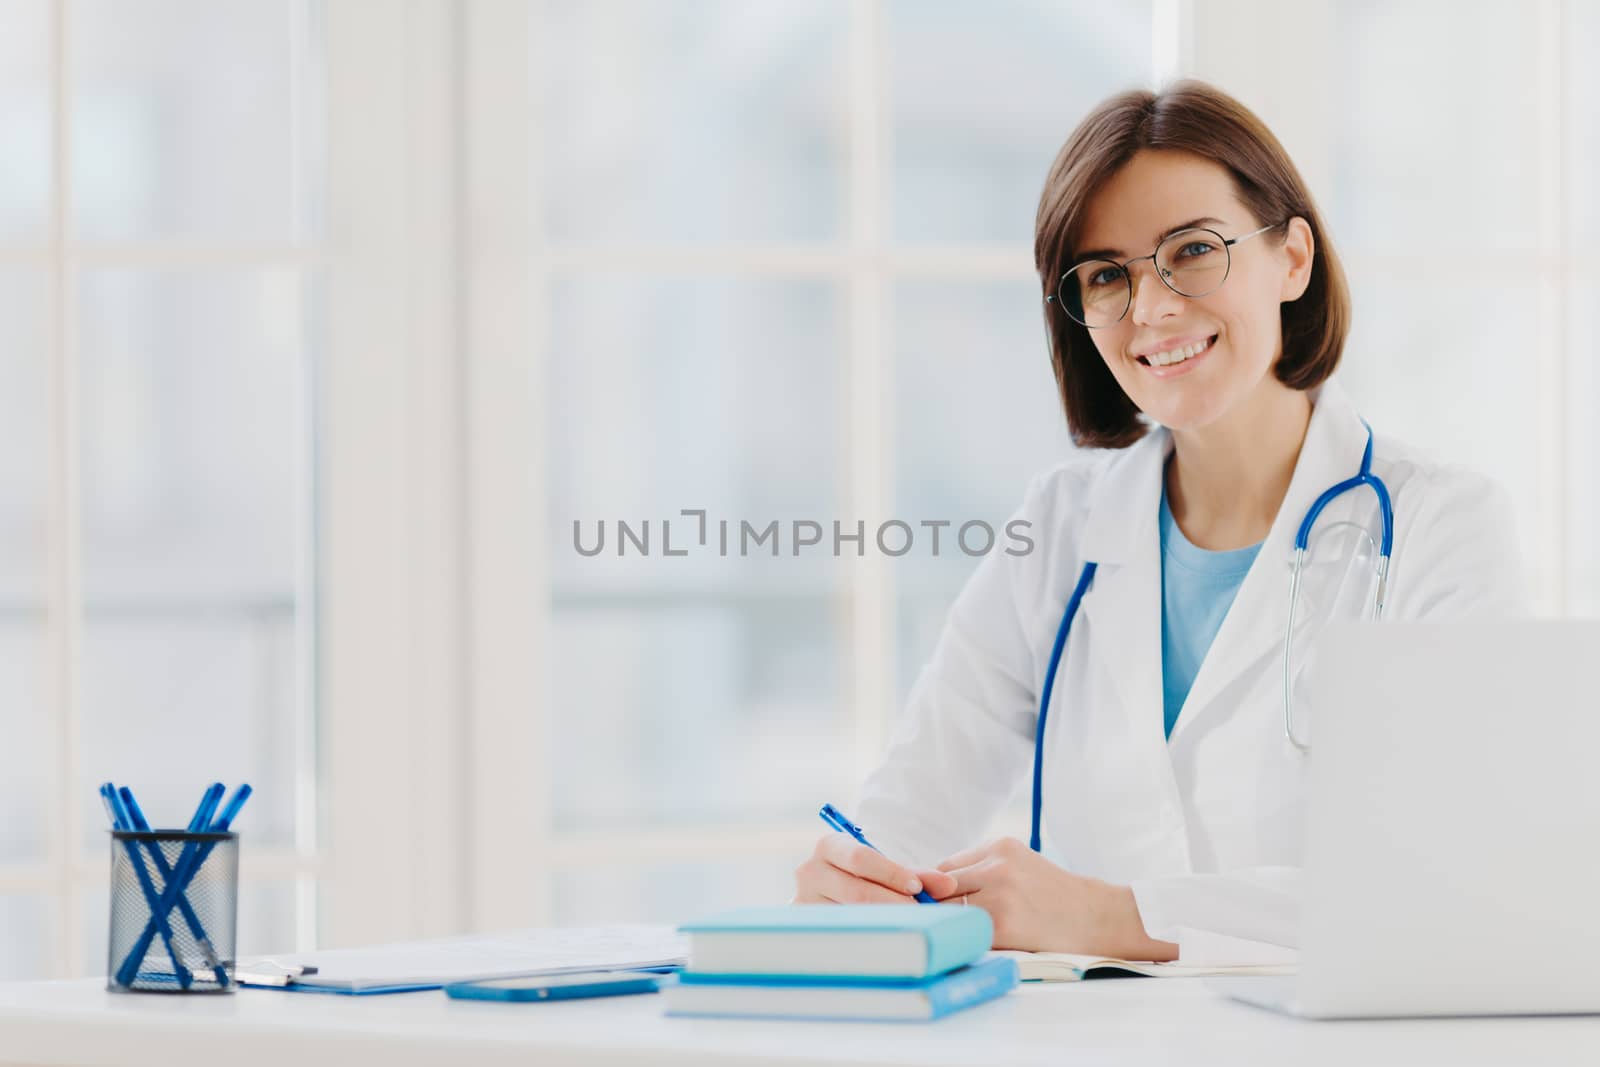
{"x": 160, "y": 285}
{"x": 297, "y": 424}
{"x": 1462, "y": 280}
{"x": 786, "y": 251}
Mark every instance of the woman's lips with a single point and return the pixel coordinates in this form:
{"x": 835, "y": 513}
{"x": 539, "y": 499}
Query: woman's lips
{"x": 1174, "y": 369}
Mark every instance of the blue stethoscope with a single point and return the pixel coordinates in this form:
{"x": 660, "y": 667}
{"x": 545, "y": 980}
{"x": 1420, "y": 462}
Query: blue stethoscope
{"x": 1302, "y": 540}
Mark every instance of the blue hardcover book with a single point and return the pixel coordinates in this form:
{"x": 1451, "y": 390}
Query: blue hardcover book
{"x": 779, "y": 997}
{"x": 906, "y": 941}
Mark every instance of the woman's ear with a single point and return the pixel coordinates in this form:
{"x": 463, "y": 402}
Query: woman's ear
{"x": 1298, "y": 247}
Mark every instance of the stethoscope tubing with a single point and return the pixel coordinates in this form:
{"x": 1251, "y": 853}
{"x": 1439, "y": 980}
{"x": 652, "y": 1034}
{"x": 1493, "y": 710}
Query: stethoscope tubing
{"x": 1364, "y": 477}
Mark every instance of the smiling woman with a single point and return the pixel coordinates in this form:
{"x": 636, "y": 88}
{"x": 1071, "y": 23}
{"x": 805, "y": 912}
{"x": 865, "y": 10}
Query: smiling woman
{"x": 1208, "y": 165}
{"x": 1169, "y": 774}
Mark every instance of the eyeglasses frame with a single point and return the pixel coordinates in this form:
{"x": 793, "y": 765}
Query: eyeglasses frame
{"x": 1227, "y": 243}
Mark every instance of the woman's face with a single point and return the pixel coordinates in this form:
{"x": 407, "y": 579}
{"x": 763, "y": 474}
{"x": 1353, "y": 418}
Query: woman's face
{"x": 1155, "y": 193}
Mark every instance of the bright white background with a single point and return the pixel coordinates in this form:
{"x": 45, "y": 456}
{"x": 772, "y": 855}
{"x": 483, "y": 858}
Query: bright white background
{"x": 324, "y": 319}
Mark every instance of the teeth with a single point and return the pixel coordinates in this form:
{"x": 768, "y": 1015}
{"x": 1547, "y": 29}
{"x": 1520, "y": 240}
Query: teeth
{"x": 1178, "y": 355}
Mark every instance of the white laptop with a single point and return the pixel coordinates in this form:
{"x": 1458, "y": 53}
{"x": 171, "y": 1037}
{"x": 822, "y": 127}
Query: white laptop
{"x": 1453, "y": 838}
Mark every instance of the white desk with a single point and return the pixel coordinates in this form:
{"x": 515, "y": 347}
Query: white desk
{"x": 1126, "y": 1022}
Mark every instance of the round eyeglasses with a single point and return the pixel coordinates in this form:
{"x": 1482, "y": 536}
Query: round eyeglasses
{"x": 1192, "y": 262}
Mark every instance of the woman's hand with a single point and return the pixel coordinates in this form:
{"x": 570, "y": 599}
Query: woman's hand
{"x": 1040, "y": 907}
{"x": 843, "y": 871}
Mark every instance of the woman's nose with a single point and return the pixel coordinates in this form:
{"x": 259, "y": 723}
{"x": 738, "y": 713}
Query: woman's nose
{"x": 1152, "y": 299}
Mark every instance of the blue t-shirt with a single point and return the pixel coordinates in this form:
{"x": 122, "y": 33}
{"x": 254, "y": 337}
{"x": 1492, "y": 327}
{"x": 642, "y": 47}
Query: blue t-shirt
{"x": 1197, "y": 588}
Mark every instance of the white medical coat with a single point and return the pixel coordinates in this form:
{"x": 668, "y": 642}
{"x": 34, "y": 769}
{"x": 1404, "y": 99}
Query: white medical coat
{"x": 1206, "y": 827}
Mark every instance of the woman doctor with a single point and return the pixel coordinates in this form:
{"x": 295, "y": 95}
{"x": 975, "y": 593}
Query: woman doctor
{"x": 1189, "y": 284}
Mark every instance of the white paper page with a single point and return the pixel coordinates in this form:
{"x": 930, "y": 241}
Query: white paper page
{"x": 1069, "y": 967}
{"x": 546, "y": 951}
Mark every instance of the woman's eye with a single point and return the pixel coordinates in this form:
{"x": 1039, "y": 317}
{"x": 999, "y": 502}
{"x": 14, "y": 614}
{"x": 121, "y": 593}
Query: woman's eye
{"x": 1196, "y": 248}
{"x": 1104, "y": 277}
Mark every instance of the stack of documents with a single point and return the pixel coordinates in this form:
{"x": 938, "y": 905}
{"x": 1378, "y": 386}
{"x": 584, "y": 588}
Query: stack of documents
{"x": 824, "y": 961}
{"x": 431, "y": 964}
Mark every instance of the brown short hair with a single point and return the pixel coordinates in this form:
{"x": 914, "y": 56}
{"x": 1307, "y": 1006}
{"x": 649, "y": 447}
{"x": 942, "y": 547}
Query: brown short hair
{"x": 1195, "y": 117}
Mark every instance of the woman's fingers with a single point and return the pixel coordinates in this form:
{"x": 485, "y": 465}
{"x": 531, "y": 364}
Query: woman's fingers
{"x": 845, "y": 871}
{"x": 841, "y": 887}
{"x": 965, "y": 858}
{"x": 938, "y": 883}
{"x": 855, "y": 858}
{"x": 971, "y": 878}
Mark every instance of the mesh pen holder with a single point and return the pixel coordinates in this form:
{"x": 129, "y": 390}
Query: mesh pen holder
{"x": 174, "y": 909}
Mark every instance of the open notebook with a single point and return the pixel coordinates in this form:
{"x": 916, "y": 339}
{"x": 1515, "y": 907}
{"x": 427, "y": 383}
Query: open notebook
{"x": 1070, "y": 967}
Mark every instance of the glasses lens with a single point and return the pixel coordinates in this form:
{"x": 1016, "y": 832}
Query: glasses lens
{"x": 1096, "y": 292}
{"x": 1193, "y": 262}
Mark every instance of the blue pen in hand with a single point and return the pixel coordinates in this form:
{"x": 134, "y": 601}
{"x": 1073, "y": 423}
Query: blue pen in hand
{"x": 835, "y": 818}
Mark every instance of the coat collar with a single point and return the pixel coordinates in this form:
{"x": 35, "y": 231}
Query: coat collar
{"x": 1121, "y": 535}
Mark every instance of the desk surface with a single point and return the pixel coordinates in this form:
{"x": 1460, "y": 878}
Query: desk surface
{"x": 1126, "y": 1022}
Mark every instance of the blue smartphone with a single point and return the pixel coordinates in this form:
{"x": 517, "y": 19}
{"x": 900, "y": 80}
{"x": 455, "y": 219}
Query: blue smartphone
{"x": 559, "y": 986}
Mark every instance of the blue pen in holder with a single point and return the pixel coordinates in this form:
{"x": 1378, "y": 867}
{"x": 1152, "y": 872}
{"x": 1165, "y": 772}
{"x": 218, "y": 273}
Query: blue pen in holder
{"x": 174, "y": 909}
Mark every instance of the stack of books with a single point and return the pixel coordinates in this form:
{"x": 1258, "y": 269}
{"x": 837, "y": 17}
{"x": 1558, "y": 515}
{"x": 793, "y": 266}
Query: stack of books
{"x": 832, "y": 961}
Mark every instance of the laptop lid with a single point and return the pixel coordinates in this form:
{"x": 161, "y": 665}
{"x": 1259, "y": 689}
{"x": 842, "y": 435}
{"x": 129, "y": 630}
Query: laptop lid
{"x": 1453, "y": 839}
